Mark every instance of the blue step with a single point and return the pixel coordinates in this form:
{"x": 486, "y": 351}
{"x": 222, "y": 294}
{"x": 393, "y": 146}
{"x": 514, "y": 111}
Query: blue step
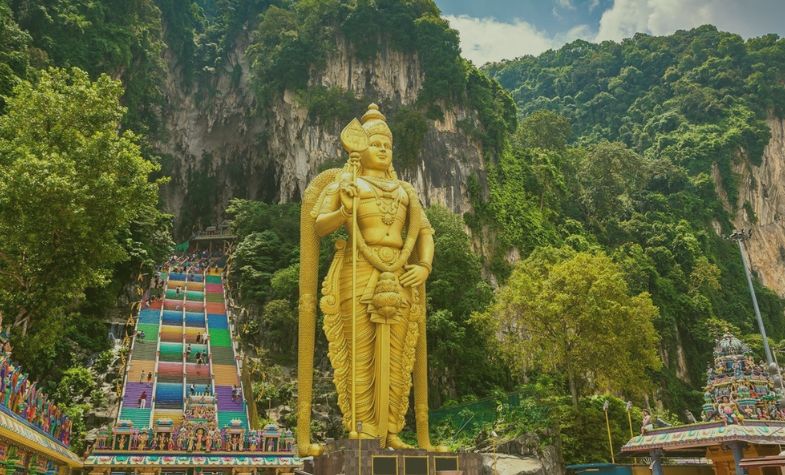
{"x": 217, "y": 320}
{"x": 194, "y": 319}
{"x": 149, "y": 316}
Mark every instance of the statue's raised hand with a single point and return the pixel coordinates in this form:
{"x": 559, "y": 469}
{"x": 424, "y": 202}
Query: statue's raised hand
{"x": 348, "y": 191}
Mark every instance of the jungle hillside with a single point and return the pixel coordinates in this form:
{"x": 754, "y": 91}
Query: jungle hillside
{"x": 593, "y": 185}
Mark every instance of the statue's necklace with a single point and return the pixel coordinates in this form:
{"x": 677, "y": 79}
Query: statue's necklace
{"x": 390, "y": 200}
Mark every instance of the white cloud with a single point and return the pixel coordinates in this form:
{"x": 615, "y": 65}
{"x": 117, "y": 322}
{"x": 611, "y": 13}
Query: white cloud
{"x": 662, "y": 17}
{"x": 566, "y": 4}
{"x": 487, "y": 39}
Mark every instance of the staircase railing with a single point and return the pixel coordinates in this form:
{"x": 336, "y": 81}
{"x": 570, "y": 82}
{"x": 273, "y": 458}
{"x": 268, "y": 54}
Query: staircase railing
{"x": 153, "y": 396}
{"x": 213, "y": 387}
{"x": 235, "y": 351}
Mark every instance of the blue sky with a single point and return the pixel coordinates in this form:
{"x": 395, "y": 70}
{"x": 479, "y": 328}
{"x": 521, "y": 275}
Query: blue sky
{"x": 497, "y": 29}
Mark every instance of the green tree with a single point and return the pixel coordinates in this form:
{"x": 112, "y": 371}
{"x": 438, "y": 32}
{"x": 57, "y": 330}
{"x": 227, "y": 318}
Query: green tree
{"x": 609, "y": 175}
{"x": 544, "y": 129}
{"x": 461, "y": 361}
{"x": 71, "y": 185}
{"x": 571, "y": 313}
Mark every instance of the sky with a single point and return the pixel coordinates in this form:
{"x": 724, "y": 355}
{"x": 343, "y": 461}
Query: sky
{"x": 492, "y": 30}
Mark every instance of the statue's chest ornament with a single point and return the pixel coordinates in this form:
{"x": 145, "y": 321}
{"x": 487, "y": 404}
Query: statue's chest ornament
{"x": 388, "y": 198}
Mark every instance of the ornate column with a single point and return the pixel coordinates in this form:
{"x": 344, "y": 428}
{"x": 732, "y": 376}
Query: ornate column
{"x": 737, "y": 448}
{"x": 656, "y": 462}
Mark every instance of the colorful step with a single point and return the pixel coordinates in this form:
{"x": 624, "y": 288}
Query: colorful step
{"x": 150, "y": 331}
{"x": 220, "y": 337}
{"x": 144, "y": 350}
{"x": 149, "y": 316}
{"x": 170, "y": 371}
{"x": 226, "y": 417}
{"x": 172, "y": 317}
{"x": 225, "y": 401}
{"x": 172, "y": 333}
{"x": 195, "y": 286}
{"x": 196, "y": 349}
{"x": 169, "y": 395}
{"x": 139, "y": 417}
{"x": 215, "y": 298}
{"x": 171, "y": 351}
{"x": 225, "y": 375}
{"x": 217, "y": 321}
{"x": 194, "y": 319}
{"x": 213, "y": 279}
{"x": 213, "y": 288}
{"x": 223, "y": 355}
{"x": 134, "y": 390}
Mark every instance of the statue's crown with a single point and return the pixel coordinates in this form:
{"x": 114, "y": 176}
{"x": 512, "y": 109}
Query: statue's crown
{"x": 374, "y": 122}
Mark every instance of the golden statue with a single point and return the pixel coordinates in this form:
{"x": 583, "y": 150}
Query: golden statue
{"x": 373, "y": 297}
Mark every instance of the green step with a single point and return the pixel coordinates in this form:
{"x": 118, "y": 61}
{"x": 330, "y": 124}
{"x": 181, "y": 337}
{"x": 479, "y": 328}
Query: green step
{"x": 144, "y": 350}
{"x": 172, "y": 294}
{"x": 150, "y": 331}
{"x": 171, "y": 351}
{"x": 219, "y": 298}
{"x": 220, "y": 337}
{"x": 140, "y": 417}
{"x": 213, "y": 279}
{"x": 223, "y": 355}
{"x": 195, "y": 295}
{"x": 225, "y": 417}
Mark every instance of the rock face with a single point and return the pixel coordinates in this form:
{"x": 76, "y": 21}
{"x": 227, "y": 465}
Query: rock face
{"x": 762, "y": 191}
{"x": 523, "y": 456}
{"x": 506, "y": 464}
{"x": 222, "y": 145}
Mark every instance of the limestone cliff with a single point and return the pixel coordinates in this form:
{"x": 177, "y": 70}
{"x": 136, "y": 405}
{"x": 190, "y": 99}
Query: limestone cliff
{"x": 221, "y": 144}
{"x": 761, "y": 207}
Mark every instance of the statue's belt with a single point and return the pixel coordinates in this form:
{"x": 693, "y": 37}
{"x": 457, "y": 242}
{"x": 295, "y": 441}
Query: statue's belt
{"x": 386, "y": 254}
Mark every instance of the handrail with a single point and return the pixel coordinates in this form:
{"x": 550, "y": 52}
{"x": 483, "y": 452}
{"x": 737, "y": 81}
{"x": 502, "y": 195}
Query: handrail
{"x": 125, "y": 360}
{"x": 235, "y": 352}
{"x": 153, "y": 398}
{"x": 213, "y": 387}
{"x": 183, "y": 375}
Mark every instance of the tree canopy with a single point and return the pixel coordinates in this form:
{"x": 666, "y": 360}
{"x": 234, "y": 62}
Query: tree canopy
{"x": 71, "y": 188}
{"x": 571, "y": 313}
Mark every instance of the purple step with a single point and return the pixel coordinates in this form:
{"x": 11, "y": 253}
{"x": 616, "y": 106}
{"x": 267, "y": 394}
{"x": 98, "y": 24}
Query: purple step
{"x": 134, "y": 390}
{"x": 225, "y": 402}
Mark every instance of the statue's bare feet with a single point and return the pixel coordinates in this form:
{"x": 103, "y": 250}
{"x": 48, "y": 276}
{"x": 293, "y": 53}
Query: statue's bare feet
{"x": 395, "y": 442}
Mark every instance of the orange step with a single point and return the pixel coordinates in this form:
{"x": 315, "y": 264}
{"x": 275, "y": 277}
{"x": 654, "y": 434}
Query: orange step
{"x": 225, "y": 375}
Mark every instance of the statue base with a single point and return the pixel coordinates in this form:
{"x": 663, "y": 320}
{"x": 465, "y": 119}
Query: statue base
{"x": 352, "y": 456}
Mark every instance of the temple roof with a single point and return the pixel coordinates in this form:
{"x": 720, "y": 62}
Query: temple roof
{"x": 26, "y": 435}
{"x": 730, "y": 345}
{"x": 707, "y": 434}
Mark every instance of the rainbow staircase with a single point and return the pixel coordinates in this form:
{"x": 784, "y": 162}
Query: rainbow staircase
{"x": 187, "y": 348}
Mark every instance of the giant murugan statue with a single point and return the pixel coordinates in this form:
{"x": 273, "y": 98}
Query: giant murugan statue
{"x": 373, "y": 297}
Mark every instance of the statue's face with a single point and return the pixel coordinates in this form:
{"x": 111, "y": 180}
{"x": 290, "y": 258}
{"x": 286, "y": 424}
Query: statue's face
{"x": 378, "y": 156}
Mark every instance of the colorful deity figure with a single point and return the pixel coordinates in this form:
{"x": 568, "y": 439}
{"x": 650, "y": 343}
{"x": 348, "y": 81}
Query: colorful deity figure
{"x": 728, "y": 410}
{"x": 143, "y": 438}
{"x": 743, "y": 392}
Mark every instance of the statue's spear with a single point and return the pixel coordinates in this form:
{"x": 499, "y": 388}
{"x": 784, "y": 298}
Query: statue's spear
{"x": 354, "y": 141}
